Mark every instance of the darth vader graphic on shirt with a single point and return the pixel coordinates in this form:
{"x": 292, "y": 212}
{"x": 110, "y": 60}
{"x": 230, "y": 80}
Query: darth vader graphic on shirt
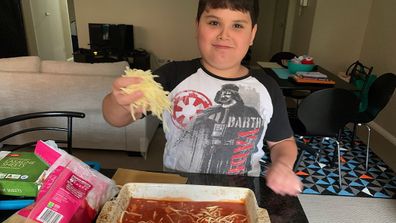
{"x": 223, "y": 136}
{"x": 219, "y": 124}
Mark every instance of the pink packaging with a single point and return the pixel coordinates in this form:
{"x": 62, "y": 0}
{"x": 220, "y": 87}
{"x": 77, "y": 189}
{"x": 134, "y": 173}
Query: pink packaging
{"x": 71, "y": 192}
{"x": 46, "y": 152}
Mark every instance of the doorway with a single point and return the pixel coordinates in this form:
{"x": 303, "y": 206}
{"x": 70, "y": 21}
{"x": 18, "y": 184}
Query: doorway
{"x": 12, "y": 38}
{"x": 47, "y": 28}
{"x": 279, "y": 26}
{"x": 73, "y": 25}
{"x": 271, "y": 29}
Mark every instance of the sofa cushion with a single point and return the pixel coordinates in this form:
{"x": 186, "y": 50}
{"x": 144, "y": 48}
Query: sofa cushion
{"x": 20, "y": 64}
{"x": 64, "y": 67}
{"x": 29, "y": 92}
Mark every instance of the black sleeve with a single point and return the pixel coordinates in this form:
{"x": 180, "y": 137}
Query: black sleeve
{"x": 164, "y": 74}
{"x": 279, "y": 126}
{"x": 172, "y": 73}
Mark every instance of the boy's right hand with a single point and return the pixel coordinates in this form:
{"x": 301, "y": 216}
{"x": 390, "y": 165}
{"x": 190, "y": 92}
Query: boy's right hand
{"x": 123, "y": 99}
{"x": 116, "y": 105}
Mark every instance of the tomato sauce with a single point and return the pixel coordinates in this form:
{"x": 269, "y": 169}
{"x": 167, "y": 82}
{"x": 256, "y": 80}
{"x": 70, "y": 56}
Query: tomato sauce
{"x": 171, "y": 211}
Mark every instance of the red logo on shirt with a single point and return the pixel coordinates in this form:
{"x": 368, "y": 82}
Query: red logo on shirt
{"x": 186, "y": 105}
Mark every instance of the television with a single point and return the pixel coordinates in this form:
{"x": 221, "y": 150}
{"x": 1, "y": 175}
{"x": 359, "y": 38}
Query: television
{"x": 116, "y": 39}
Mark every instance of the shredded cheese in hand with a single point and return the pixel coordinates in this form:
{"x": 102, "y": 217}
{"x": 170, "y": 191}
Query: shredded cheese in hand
{"x": 154, "y": 99}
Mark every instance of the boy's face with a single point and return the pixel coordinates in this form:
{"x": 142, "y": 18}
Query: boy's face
{"x": 224, "y": 37}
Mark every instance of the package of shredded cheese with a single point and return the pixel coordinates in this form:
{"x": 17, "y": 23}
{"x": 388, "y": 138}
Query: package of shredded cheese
{"x": 155, "y": 99}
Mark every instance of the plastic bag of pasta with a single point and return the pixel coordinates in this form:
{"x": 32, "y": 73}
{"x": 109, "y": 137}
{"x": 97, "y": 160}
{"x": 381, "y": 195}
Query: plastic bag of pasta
{"x": 71, "y": 192}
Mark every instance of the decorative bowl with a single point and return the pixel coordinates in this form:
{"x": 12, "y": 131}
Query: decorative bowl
{"x": 295, "y": 67}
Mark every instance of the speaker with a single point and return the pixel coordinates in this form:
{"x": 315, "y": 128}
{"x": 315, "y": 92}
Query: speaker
{"x": 121, "y": 39}
{"x": 98, "y": 36}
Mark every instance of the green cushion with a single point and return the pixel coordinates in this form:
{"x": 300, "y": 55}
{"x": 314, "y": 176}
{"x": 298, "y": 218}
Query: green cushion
{"x": 363, "y": 93}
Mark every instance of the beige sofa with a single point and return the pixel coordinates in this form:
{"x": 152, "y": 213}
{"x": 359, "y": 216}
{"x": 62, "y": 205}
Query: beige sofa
{"x": 29, "y": 84}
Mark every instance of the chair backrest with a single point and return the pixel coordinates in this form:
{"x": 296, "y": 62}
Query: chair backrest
{"x": 379, "y": 94}
{"x": 281, "y": 58}
{"x": 23, "y": 124}
{"x": 361, "y": 77}
{"x": 325, "y": 112}
{"x": 358, "y": 72}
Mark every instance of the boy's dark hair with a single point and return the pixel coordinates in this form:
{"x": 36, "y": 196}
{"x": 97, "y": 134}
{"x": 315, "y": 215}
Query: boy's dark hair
{"x": 250, "y": 6}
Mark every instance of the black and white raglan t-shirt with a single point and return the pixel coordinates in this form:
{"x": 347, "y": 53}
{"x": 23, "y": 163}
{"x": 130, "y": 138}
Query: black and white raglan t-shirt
{"x": 219, "y": 125}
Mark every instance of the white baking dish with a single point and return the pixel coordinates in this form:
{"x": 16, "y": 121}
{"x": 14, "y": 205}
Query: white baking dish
{"x": 112, "y": 210}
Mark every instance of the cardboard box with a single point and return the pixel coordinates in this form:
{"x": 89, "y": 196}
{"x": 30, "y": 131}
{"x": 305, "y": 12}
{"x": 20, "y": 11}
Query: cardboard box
{"x": 123, "y": 176}
{"x": 20, "y": 173}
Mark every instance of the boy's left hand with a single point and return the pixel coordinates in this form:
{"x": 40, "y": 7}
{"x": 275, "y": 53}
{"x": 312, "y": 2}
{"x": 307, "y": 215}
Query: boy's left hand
{"x": 282, "y": 180}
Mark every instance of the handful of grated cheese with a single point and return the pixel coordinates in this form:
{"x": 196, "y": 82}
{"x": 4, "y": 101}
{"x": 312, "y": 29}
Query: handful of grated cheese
{"x": 154, "y": 99}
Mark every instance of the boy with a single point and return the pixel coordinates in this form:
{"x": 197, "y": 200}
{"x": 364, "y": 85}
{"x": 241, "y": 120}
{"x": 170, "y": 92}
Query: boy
{"x": 222, "y": 111}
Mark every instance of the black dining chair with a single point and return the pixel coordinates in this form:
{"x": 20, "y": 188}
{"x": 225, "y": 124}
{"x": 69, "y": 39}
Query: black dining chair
{"x": 44, "y": 122}
{"x": 14, "y": 126}
{"x": 358, "y": 71}
{"x": 379, "y": 94}
{"x": 324, "y": 113}
{"x": 281, "y": 58}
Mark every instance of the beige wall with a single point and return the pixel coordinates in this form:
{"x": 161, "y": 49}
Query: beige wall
{"x": 70, "y": 8}
{"x": 66, "y": 32}
{"x": 302, "y": 28}
{"x": 338, "y": 31}
{"x": 328, "y": 29}
{"x": 291, "y": 12}
{"x": 164, "y": 28}
{"x": 379, "y": 46}
{"x": 29, "y": 28}
{"x": 262, "y": 44}
{"x": 279, "y": 26}
{"x": 379, "y": 50}
{"x": 269, "y": 36}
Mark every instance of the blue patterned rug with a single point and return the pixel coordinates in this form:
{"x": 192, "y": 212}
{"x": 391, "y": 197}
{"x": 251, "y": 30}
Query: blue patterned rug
{"x": 319, "y": 177}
